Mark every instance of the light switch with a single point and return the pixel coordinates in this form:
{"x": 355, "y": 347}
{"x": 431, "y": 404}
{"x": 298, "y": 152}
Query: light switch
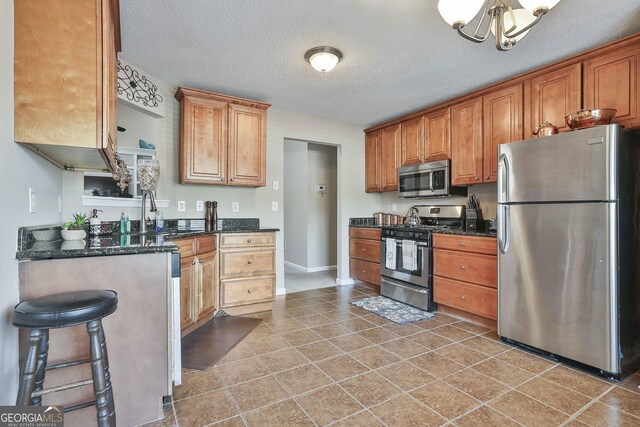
{"x": 182, "y": 206}
{"x": 200, "y": 206}
{"x": 274, "y": 206}
{"x": 276, "y": 185}
{"x": 235, "y": 207}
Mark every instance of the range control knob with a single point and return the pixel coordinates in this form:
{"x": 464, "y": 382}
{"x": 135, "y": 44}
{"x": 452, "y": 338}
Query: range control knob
{"x": 393, "y": 233}
{"x": 418, "y": 235}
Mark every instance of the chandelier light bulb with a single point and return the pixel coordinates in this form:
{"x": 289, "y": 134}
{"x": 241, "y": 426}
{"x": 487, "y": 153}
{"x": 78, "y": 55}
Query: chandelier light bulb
{"x": 459, "y": 11}
{"x": 535, "y": 5}
{"x": 523, "y": 18}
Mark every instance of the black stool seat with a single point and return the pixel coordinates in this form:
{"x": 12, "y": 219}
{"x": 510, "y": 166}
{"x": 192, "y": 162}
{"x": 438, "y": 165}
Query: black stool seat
{"x": 65, "y": 309}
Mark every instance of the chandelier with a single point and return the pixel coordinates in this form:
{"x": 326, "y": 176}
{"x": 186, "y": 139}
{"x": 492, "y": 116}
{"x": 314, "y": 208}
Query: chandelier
{"x": 508, "y": 25}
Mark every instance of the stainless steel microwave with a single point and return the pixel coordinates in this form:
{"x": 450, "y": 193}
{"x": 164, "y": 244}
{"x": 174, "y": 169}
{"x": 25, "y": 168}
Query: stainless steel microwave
{"x": 428, "y": 180}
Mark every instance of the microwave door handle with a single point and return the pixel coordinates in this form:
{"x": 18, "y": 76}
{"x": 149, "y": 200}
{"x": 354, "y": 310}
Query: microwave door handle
{"x": 431, "y": 181}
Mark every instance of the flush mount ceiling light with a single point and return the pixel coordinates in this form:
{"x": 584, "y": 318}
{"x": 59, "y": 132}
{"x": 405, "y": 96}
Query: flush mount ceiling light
{"x": 323, "y": 58}
{"x": 508, "y": 25}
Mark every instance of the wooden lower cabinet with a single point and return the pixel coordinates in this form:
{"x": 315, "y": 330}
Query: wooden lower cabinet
{"x": 364, "y": 254}
{"x": 465, "y": 273}
{"x": 198, "y": 281}
{"x": 247, "y": 269}
{"x": 250, "y": 290}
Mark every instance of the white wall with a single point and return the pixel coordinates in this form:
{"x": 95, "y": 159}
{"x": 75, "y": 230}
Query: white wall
{"x": 322, "y": 224}
{"x": 487, "y": 195}
{"x": 19, "y": 170}
{"x": 295, "y": 206}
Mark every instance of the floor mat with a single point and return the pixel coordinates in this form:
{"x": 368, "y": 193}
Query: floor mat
{"x": 393, "y": 310}
{"x": 204, "y": 347}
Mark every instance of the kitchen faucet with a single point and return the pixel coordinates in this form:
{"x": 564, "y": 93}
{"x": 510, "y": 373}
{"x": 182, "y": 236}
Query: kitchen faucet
{"x": 153, "y": 208}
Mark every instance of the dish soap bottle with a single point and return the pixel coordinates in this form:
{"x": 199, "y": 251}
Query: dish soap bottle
{"x": 160, "y": 221}
{"x": 94, "y": 220}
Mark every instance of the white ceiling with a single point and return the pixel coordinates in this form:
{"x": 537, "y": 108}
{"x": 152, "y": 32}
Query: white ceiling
{"x": 399, "y": 55}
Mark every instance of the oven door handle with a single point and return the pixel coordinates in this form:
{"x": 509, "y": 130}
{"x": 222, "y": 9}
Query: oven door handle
{"x": 398, "y": 243}
{"x": 394, "y": 283}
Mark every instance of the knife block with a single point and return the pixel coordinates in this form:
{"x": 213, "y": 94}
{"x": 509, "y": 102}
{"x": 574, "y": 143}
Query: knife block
{"x": 473, "y": 219}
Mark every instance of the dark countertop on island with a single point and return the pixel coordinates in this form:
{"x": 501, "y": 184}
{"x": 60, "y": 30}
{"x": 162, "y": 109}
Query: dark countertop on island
{"x": 124, "y": 244}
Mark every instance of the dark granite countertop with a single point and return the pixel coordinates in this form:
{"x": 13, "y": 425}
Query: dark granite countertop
{"x": 125, "y": 244}
{"x": 478, "y": 233}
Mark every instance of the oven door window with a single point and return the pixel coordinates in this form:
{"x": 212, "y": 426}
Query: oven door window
{"x": 419, "y": 181}
{"x": 418, "y": 271}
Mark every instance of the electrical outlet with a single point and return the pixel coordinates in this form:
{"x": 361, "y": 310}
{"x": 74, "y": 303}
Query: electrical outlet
{"x": 235, "y": 207}
{"x": 182, "y": 206}
{"x": 274, "y": 206}
{"x": 276, "y": 186}
{"x": 200, "y": 206}
{"x": 32, "y": 200}
{"x": 394, "y": 207}
{"x": 59, "y": 204}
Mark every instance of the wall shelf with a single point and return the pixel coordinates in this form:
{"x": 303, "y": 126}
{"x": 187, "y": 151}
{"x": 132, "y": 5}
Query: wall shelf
{"x": 119, "y": 202}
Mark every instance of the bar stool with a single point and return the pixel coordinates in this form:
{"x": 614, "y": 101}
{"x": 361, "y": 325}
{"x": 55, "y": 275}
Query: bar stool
{"x": 62, "y": 311}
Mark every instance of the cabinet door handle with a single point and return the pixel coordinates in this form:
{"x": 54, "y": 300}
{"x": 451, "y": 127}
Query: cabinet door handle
{"x": 221, "y": 178}
{"x": 476, "y": 178}
{"x": 462, "y": 267}
{"x": 248, "y": 291}
{"x": 248, "y": 240}
{"x": 200, "y": 261}
{"x": 462, "y": 297}
{"x": 461, "y": 243}
{"x": 486, "y": 177}
{"x": 193, "y": 262}
{"x": 233, "y": 179}
{"x": 249, "y": 262}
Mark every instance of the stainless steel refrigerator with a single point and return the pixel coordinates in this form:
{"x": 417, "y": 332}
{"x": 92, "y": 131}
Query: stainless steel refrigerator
{"x": 569, "y": 246}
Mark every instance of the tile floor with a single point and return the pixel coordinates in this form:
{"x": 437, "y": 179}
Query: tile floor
{"x": 316, "y": 360}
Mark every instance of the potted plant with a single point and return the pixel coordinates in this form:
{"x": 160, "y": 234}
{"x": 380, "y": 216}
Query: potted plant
{"x": 74, "y": 230}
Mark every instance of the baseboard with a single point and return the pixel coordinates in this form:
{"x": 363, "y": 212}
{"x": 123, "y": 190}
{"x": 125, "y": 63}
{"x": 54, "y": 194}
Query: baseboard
{"x": 345, "y": 282}
{"x": 281, "y": 291}
{"x": 324, "y": 268}
{"x": 310, "y": 269}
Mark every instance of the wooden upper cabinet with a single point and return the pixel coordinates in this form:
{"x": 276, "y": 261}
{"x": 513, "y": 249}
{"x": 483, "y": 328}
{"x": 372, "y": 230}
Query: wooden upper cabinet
{"x": 65, "y": 80}
{"x": 552, "y": 96}
{"x": 372, "y": 162}
{"x": 203, "y": 141}
{"x": 613, "y": 81}
{"x": 412, "y": 142}
{"x": 437, "y": 131}
{"x": 502, "y": 122}
{"x": 389, "y": 157}
{"x": 466, "y": 142}
{"x": 247, "y": 146}
{"x": 223, "y": 139}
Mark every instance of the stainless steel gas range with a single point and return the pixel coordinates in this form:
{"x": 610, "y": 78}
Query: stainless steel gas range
{"x": 406, "y": 261}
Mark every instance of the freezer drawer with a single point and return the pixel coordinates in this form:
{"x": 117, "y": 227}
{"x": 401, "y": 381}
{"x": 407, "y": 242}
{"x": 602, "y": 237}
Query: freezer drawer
{"x": 573, "y": 166}
{"x": 557, "y": 279}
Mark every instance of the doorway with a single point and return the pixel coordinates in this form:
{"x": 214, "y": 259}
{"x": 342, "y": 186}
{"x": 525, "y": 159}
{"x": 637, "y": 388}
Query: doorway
{"x": 310, "y": 215}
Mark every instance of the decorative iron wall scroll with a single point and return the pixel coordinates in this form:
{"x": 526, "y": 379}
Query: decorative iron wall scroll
{"x": 136, "y": 87}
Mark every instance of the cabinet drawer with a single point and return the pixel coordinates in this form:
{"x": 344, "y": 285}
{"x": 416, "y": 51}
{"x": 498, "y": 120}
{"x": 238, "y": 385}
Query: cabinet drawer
{"x": 481, "y": 245}
{"x": 186, "y": 247}
{"x": 247, "y": 263}
{"x": 238, "y": 240}
{"x": 364, "y": 270}
{"x": 247, "y": 291}
{"x": 469, "y": 267}
{"x": 205, "y": 244}
{"x": 365, "y": 233}
{"x": 366, "y": 250}
{"x": 474, "y": 299}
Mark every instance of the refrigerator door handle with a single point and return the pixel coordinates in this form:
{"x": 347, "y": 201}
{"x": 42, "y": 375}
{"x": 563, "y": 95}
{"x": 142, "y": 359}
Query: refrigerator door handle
{"x": 503, "y": 178}
{"x": 503, "y": 229}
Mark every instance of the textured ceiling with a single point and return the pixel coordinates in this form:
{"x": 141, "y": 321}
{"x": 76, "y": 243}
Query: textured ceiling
{"x": 399, "y": 55}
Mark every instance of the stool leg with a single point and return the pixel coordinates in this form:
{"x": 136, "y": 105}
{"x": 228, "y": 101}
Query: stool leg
{"x": 29, "y": 368}
{"x": 103, "y": 344}
{"x": 99, "y": 375}
{"x": 42, "y": 365}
